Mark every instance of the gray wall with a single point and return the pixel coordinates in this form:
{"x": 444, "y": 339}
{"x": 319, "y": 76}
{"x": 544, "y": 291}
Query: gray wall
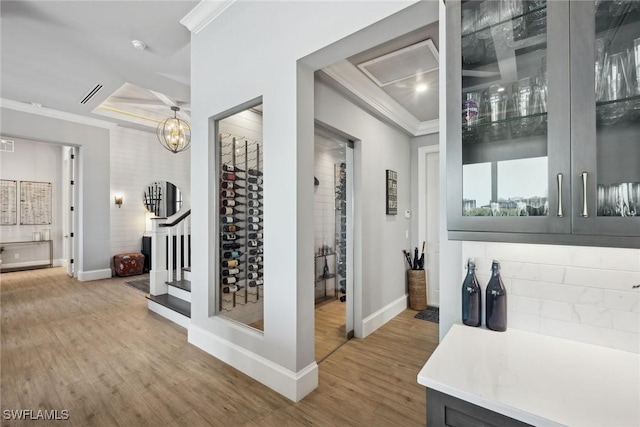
{"x": 93, "y": 176}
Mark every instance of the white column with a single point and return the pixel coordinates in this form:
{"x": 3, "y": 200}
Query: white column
{"x": 158, "y": 273}
{"x": 178, "y": 233}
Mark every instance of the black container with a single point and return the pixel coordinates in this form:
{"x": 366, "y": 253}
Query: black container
{"x": 496, "y": 300}
{"x": 471, "y": 297}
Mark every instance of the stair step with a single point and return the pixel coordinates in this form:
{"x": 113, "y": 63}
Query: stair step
{"x": 183, "y": 284}
{"x": 187, "y": 269}
{"x": 172, "y": 303}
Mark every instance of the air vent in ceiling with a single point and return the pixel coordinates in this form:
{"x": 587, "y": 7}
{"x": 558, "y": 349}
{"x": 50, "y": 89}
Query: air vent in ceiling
{"x": 91, "y": 94}
{"x": 408, "y": 62}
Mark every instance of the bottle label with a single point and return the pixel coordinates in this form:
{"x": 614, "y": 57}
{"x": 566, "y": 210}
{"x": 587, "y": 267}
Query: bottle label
{"x": 469, "y": 110}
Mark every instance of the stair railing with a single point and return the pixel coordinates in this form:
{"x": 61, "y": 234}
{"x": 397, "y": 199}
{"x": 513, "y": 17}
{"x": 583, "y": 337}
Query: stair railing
{"x": 163, "y": 234}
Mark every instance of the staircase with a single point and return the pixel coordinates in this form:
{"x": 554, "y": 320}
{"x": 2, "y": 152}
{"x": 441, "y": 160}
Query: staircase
{"x": 169, "y": 278}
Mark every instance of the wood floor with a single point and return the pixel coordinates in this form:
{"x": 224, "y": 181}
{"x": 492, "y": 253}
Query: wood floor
{"x": 94, "y": 349}
{"x": 330, "y": 327}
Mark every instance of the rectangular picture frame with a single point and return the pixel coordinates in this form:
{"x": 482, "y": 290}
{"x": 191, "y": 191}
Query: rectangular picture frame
{"x": 392, "y": 192}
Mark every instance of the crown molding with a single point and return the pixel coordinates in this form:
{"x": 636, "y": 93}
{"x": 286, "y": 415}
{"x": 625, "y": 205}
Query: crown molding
{"x": 204, "y": 13}
{"x": 353, "y": 80}
{"x": 429, "y": 127}
{"x": 55, "y": 114}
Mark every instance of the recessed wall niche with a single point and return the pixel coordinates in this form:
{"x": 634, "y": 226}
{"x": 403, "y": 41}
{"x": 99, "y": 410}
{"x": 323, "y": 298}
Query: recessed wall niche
{"x": 239, "y": 286}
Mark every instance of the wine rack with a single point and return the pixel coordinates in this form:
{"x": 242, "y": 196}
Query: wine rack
{"x": 341, "y": 229}
{"x": 241, "y": 225}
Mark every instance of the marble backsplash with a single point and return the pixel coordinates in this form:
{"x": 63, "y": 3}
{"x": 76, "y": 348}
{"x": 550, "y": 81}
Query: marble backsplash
{"x": 579, "y": 293}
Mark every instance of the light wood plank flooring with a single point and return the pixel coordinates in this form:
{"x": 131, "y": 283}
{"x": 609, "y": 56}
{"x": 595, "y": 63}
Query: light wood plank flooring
{"x": 330, "y": 327}
{"x": 93, "y": 348}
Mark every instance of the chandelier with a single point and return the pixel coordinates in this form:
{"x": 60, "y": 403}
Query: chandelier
{"x": 174, "y": 134}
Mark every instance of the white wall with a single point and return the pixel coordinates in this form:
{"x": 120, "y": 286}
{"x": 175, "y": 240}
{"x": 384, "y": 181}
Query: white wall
{"x": 93, "y": 168}
{"x": 239, "y": 57}
{"x": 379, "y": 147}
{"x": 416, "y": 143}
{"x": 580, "y": 293}
{"x": 137, "y": 159}
{"x": 33, "y": 161}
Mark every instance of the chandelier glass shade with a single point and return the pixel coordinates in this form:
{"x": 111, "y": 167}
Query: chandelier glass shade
{"x": 174, "y": 134}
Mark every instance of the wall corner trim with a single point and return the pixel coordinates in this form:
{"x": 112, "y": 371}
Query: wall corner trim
{"x": 292, "y": 385}
{"x": 85, "y": 276}
{"x": 429, "y": 127}
{"x": 204, "y": 13}
{"x": 382, "y": 316}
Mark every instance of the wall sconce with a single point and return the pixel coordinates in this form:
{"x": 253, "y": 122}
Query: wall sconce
{"x": 119, "y": 201}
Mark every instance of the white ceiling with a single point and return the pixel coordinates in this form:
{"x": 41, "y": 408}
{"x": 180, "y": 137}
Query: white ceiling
{"x": 54, "y": 52}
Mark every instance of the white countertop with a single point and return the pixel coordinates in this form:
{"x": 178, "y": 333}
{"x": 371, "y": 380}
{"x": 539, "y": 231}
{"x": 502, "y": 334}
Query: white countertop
{"x": 537, "y": 379}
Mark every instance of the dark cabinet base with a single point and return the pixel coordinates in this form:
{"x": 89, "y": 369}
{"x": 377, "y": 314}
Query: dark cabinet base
{"x": 446, "y": 410}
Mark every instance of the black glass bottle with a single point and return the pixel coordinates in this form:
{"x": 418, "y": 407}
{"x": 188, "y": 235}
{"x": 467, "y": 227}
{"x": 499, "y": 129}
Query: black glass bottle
{"x": 471, "y": 297}
{"x": 496, "y": 300}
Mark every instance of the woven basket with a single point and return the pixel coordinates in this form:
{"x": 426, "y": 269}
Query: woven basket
{"x": 417, "y": 289}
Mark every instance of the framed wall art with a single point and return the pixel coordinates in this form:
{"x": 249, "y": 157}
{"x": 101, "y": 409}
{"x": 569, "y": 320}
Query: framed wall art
{"x": 8, "y": 201}
{"x": 392, "y": 192}
{"x": 35, "y": 203}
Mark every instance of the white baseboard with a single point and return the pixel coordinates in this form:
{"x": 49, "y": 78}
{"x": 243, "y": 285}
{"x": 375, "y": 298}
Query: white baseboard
{"x": 85, "y": 276}
{"x": 169, "y": 314}
{"x": 292, "y": 385}
{"x": 382, "y": 316}
{"x": 59, "y": 262}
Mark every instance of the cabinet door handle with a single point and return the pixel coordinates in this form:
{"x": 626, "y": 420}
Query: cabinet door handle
{"x": 560, "y": 211}
{"x": 585, "y": 211}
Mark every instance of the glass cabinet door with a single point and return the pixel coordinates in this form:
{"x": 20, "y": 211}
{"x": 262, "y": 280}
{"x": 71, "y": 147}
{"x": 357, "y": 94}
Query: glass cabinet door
{"x": 514, "y": 128}
{"x": 607, "y": 85}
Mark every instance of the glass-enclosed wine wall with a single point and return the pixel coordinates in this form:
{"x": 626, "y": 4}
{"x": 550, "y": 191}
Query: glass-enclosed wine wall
{"x": 240, "y": 220}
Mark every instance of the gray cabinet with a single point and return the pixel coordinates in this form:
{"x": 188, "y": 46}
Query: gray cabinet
{"x": 446, "y": 410}
{"x": 534, "y": 153}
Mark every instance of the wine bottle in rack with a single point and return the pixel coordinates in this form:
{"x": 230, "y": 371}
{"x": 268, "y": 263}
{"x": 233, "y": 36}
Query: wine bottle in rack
{"x": 229, "y": 211}
{"x": 255, "y": 259}
{"x": 230, "y": 185}
{"x": 231, "y": 203}
{"x": 254, "y": 275}
{"x": 230, "y": 194}
{"x": 255, "y": 212}
{"x": 254, "y": 204}
{"x": 231, "y": 272}
{"x": 254, "y": 283}
{"x": 256, "y": 251}
{"x": 228, "y": 219}
{"x": 229, "y": 280}
{"x": 254, "y": 187}
{"x": 230, "y": 176}
{"x": 230, "y": 246}
{"x": 255, "y": 243}
{"x": 253, "y": 219}
{"x": 231, "y": 263}
{"x": 255, "y": 196}
{"x": 228, "y": 168}
{"x": 254, "y": 172}
{"x": 232, "y": 228}
{"x": 254, "y": 180}
{"x": 255, "y": 236}
{"x": 254, "y": 267}
{"x": 229, "y": 236}
{"x": 231, "y": 289}
{"x": 254, "y": 227}
{"x": 232, "y": 254}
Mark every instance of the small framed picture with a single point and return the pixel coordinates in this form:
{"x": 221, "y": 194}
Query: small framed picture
{"x": 392, "y": 192}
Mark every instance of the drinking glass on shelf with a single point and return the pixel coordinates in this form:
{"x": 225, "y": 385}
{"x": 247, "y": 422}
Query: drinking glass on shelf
{"x": 615, "y": 87}
{"x": 472, "y": 115}
{"x": 488, "y": 14}
{"x": 602, "y": 51}
{"x": 468, "y": 21}
{"x": 496, "y": 101}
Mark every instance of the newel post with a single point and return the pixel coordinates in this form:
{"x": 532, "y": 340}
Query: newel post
{"x": 158, "y": 273}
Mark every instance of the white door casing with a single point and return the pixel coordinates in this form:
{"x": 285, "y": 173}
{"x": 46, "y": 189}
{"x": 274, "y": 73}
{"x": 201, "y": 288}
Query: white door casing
{"x": 428, "y": 216}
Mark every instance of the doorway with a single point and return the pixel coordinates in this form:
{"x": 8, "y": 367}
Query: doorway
{"x": 333, "y": 216}
{"x": 429, "y": 217}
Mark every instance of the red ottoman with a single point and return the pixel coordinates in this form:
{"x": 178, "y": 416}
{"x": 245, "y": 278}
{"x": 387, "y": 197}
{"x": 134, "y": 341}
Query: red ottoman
{"x": 128, "y": 264}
